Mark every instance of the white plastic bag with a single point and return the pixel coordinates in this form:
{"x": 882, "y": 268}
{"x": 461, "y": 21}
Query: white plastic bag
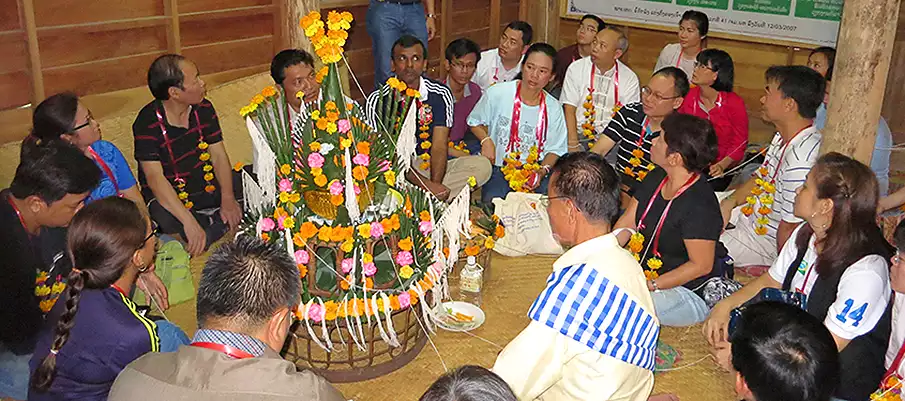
{"x": 527, "y": 226}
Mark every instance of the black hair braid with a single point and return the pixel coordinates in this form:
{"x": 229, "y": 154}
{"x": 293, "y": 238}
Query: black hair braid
{"x": 43, "y": 376}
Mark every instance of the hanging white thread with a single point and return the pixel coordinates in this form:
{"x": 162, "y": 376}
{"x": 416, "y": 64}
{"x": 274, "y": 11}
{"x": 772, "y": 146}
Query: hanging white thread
{"x": 351, "y": 201}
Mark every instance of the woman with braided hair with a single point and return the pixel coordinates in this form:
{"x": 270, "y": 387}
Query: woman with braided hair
{"x": 96, "y": 330}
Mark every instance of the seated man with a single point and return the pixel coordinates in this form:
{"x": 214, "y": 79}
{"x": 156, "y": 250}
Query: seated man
{"x": 635, "y": 126}
{"x": 245, "y": 300}
{"x": 610, "y": 356}
{"x": 596, "y": 87}
{"x": 462, "y": 57}
{"x": 504, "y": 63}
{"x": 430, "y": 169}
{"x": 50, "y": 186}
{"x": 766, "y": 221}
{"x": 184, "y": 170}
{"x": 293, "y": 70}
{"x": 780, "y": 352}
{"x": 588, "y": 27}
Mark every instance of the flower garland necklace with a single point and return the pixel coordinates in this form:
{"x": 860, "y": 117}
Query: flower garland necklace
{"x": 636, "y": 242}
{"x": 514, "y": 170}
{"x": 764, "y": 190}
{"x": 590, "y": 113}
{"x": 204, "y": 157}
{"x": 637, "y": 154}
{"x": 425, "y": 118}
{"x": 891, "y": 386}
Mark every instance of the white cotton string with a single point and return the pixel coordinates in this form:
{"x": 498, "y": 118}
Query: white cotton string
{"x": 383, "y": 333}
{"x": 388, "y": 316}
{"x": 406, "y": 143}
{"x": 349, "y": 326}
{"x": 686, "y": 365}
{"x": 357, "y": 319}
{"x": 289, "y": 246}
{"x": 266, "y": 163}
{"x": 308, "y": 326}
{"x": 253, "y": 195}
{"x": 740, "y": 166}
{"x": 324, "y": 331}
{"x": 484, "y": 340}
{"x": 351, "y": 201}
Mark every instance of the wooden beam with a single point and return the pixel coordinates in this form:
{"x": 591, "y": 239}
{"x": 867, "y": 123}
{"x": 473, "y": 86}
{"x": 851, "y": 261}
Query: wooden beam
{"x": 27, "y": 20}
{"x": 174, "y": 39}
{"x": 295, "y": 10}
{"x": 523, "y": 9}
{"x": 864, "y": 48}
{"x": 495, "y": 21}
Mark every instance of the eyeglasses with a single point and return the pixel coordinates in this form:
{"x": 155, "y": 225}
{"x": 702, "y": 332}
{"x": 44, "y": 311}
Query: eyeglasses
{"x": 896, "y": 258}
{"x": 698, "y": 64}
{"x": 589, "y": 28}
{"x": 154, "y": 231}
{"x": 647, "y": 91}
{"x": 87, "y": 122}
{"x": 545, "y": 200}
{"x": 462, "y": 66}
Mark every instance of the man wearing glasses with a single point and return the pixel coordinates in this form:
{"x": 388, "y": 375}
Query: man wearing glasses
{"x": 596, "y": 87}
{"x": 462, "y": 57}
{"x": 636, "y": 125}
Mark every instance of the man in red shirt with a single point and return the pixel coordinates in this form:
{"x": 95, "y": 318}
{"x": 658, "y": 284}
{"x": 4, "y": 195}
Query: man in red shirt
{"x": 588, "y": 27}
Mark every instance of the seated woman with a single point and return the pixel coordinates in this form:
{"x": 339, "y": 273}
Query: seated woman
{"x": 838, "y": 261}
{"x": 693, "y": 28}
{"x": 678, "y": 215}
{"x": 63, "y": 118}
{"x": 517, "y": 118}
{"x": 712, "y": 98}
{"x": 95, "y": 330}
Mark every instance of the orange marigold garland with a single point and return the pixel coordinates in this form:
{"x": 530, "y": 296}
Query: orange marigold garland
{"x": 764, "y": 191}
{"x": 516, "y": 172}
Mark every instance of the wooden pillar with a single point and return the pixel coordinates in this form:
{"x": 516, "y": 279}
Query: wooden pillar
{"x": 895, "y": 97}
{"x": 295, "y": 35}
{"x": 864, "y": 48}
{"x": 27, "y": 21}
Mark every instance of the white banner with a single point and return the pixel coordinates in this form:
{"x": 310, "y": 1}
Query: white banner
{"x": 813, "y": 22}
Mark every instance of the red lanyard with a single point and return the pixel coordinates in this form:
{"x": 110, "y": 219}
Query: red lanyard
{"x": 679, "y": 59}
{"x": 105, "y": 167}
{"x": 783, "y": 154}
{"x": 231, "y": 352}
{"x": 166, "y": 140}
{"x": 895, "y": 362}
{"x": 593, "y": 69}
{"x": 650, "y": 203}
{"x": 540, "y": 129}
{"x": 716, "y": 105}
{"x": 807, "y": 278}
{"x": 19, "y": 215}
{"x": 615, "y": 84}
{"x": 116, "y": 287}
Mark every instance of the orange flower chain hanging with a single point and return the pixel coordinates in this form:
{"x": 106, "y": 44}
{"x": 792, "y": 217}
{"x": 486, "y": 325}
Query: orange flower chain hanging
{"x": 328, "y": 44}
{"x": 516, "y": 172}
{"x": 764, "y": 192}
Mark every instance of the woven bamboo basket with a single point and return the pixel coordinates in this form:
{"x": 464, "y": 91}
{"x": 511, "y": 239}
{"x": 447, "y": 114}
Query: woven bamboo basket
{"x": 319, "y": 202}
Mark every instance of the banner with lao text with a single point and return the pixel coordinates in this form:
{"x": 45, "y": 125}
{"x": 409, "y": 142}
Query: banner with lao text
{"x": 813, "y": 22}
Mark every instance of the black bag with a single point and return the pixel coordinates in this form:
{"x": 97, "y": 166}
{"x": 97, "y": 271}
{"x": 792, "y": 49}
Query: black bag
{"x": 775, "y": 294}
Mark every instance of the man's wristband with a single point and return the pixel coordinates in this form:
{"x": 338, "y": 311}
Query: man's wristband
{"x": 486, "y": 138}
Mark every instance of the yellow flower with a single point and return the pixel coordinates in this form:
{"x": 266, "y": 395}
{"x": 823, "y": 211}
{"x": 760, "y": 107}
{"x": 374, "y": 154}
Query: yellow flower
{"x": 472, "y": 182}
{"x": 208, "y": 168}
{"x": 317, "y": 171}
{"x": 320, "y": 180}
{"x": 236, "y": 167}
{"x": 324, "y": 233}
{"x": 347, "y": 245}
{"x": 284, "y": 197}
{"x": 203, "y": 145}
{"x": 345, "y": 143}
{"x": 331, "y": 128}
{"x": 258, "y": 99}
{"x": 425, "y": 145}
{"x": 364, "y": 230}
{"x": 294, "y": 197}
{"x": 636, "y": 243}
{"x": 367, "y": 258}
{"x": 289, "y": 223}
{"x": 390, "y": 177}
{"x": 46, "y": 305}
{"x": 322, "y": 74}
{"x": 285, "y": 169}
{"x": 488, "y": 243}
{"x": 189, "y": 204}
{"x": 654, "y": 263}
{"x": 300, "y": 94}
{"x": 316, "y": 114}
{"x": 635, "y": 162}
{"x": 405, "y": 244}
{"x": 252, "y": 108}
{"x": 314, "y": 146}
{"x": 183, "y": 195}
{"x": 406, "y": 272}
{"x": 412, "y": 93}
{"x": 42, "y": 291}
{"x": 638, "y": 153}
{"x": 204, "y": 156}
{"x": 208, "y": 176}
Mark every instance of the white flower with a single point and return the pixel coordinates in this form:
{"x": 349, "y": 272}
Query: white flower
{"x": 326, "y": 148}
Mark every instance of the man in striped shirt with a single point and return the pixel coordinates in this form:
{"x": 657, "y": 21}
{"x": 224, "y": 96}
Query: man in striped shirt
{"x": 593, "y": 330}
{"x": 431, "y": 168}
{"x": 761, "y": 209}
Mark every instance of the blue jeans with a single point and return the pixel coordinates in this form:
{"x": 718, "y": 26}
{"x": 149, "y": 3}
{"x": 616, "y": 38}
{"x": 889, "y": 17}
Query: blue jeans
{"x": 679, "y": 307}
{"x": 498, "y": 187}
{"x": 171, "y": 336}
{"x": 14, "y": 374}
{"x": 386, "y": 22}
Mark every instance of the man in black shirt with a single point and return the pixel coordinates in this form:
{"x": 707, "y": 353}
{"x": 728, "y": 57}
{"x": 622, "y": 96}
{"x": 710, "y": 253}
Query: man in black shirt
{"x": 184, "y": 170}
{"x": 50, "y": 186}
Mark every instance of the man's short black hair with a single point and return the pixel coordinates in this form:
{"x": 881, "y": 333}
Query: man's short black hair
{"x": 830, "y": 54}
{"x": 784, "y": 353}
{"x": 165, "y": 72}
{"x": 596, "y": 19}
{"x": 679, "y": 79}
{"x": 721, "y": 64}
{"x": 461, "y": 47}
{"x": 590, "y": 182}
{"x": 245, "y": 281}
{"x": 802, "y": 84}
{"x": 899, "y": 236}
{"x": 524, "y": 28}
{"x": 691, "y": 137}
{"x": 288, "y": 58}
{"x": 700, "y": 19}
{"x": 52, "y": 170}
{"x": 408, "y": 42}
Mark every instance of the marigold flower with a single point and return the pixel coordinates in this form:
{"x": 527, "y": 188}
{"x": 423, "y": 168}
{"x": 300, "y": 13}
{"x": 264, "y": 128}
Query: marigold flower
{"x": 320, "y": 180}
{"x": 336, "y": 200}
{"x": 205, "y": 156}
{"x": 406, "y": 272}
{"x": 360, "y": 173}
{"x": 406, "y": 244}
{"x": 307, "y": 231}
{"x": 269, "y": 91}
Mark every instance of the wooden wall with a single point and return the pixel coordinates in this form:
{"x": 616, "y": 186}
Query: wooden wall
{"x": 98, "y": 46}
{"x": 480, "y": 20}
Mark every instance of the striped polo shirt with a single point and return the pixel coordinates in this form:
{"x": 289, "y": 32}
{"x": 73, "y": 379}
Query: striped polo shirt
{"x": 625, "y": 129}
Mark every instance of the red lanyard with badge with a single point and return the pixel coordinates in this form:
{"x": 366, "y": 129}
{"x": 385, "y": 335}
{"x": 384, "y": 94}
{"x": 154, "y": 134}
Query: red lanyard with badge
{"x": 178, "y": 180}
{"x": 231, "y": 352}
{"x": 656, "y": 241}
{"x": 107, "y": 170}
{"x": 891, "y": 387}
{"x": 540, "y": 129}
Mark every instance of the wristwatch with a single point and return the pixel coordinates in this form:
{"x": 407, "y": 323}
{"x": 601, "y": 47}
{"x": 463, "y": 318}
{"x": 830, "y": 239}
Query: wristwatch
{"x": 431, "y": 15}
{"x": 653, "y": 284}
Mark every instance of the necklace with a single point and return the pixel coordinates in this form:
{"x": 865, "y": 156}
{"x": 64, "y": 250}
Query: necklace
{"x": 204, "y": 157}
{"x": 590, "y": 113}
{"x": 540, "y": 129}
{"x": 654, "y": 263}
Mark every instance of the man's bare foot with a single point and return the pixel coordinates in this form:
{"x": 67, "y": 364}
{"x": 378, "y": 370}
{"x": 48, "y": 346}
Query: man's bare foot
{"x": 663, "y": 397}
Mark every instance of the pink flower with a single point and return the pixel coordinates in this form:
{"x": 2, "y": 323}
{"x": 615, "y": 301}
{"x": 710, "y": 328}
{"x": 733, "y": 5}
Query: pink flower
{"x": 384, "y": 165}
{"x": 316, "y": 313}
{"x": 361, "y": 159}
{"x": 404, "y": 258}
{"x": 343, "y": 126}
{"x": 347, "y": 265}
{"x": 438, "y": 268}
{"x": 369, "y": 269}
{"x": 405, "y": 300}
{"x": 315, "y": 160}
{"x": 280, "y": 221}
{"x": 356, "y": 188}
{"x": 285, "y": 185}
{"x": 376, "y": 230}
{"x": 336, "y": 188}
{"x": 266, "y": 224}
{"x": 302, "y": 257}
{"x": 425, "y": 227}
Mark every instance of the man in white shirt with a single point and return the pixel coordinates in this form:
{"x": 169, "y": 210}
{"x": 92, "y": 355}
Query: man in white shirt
{"x": 894, "y": 357}
{"x": 761, "y": 209}
{"x": 293, "y": 70}
{"x": 593, "y": 330}
{"x": 504, "y": 63}
{"x": 613, "y": 85}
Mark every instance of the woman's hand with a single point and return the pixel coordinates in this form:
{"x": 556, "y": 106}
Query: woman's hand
{"x": 154, "y": 288}
{"x": 716, "y": 327}
{"x": 488, "y": 150}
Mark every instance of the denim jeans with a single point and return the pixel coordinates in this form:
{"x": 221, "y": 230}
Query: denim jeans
{"x": 171, "y": 336}
{"x": 679, "y": 307}
{"x": 14, "y": 374}
{"x": 498, "y": 187}
{"x": 386, "y": 22}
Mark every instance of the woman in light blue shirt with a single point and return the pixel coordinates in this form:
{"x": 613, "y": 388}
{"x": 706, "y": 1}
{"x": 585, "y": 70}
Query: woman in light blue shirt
{"x": 538, "y": 118}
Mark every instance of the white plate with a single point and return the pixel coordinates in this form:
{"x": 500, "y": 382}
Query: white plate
{"x": 445, "y": 310}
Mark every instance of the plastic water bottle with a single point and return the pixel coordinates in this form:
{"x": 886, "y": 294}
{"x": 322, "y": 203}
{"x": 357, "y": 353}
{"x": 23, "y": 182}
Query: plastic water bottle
{"x": 471, "y": 282}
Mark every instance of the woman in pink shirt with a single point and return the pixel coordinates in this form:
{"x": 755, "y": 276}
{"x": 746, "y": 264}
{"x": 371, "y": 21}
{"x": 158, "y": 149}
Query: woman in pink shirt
{"x": 712, "y": 98}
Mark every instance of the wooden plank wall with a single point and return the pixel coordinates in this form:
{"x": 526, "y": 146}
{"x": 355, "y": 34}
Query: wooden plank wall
{"x": 480, "y": 20}
{"x": 99, "y": 46}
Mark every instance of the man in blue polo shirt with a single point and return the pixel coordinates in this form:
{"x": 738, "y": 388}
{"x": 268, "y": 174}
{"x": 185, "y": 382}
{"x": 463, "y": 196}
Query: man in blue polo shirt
{"x": 431, "y": 168}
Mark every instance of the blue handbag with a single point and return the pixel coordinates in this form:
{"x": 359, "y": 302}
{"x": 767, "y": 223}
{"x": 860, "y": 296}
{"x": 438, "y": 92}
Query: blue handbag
{"x": 783, "y": 294}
